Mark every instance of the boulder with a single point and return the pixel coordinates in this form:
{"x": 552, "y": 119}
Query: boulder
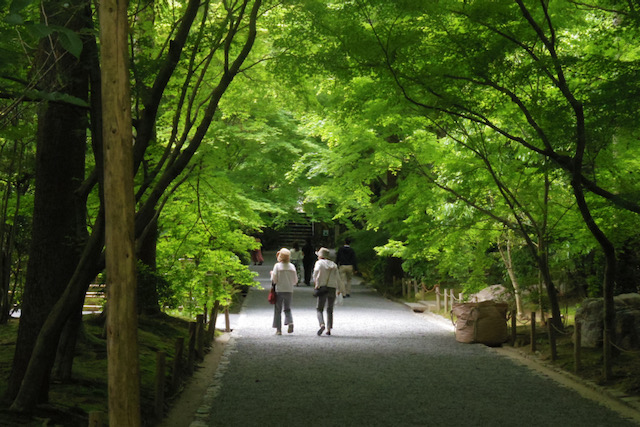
{"x": 627, "y": 321}
{"x": 492, "y": 293}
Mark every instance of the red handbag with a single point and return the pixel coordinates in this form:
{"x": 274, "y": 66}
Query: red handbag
{"x": 272, "y": 295}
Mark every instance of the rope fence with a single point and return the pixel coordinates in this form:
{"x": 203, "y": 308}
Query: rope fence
{"x": 445, "y": 298}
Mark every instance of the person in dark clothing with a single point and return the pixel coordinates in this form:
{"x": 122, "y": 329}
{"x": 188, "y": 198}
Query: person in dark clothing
{"x": 347, "y": 265}
{"x": 308, "y": 260}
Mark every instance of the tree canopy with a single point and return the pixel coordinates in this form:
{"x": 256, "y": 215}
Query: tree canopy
{"x": 474, "y": 142}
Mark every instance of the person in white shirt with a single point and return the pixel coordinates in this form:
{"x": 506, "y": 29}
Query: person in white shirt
{"x": 296, "y": 260}
{"x": 325, "y": 273}
{"x": 284, "y": 276}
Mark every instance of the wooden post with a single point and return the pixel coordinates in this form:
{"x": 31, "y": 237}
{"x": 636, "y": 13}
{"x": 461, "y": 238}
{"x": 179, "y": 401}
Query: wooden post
{"x": 437, "y": 290}
{"x": 160, "y": 375}
{"x": 552, "y": 338}
{"x": 177, "y": 364}
{"x": 415, "y": 288}
{"x": 200, "y": 336}
{"x": 211, "y": 332}
{"x": 123, "y": 368}
{"x": 214, "y": 316}
{"x": 191, "y": 355}
{"x": 446, "y": 301}
{"x": 452, "y": 298}
{"x": 96, "y": 419}
{"x": 227, "y": 321}
{"x": 577, "y": 348}
{"x": 533, "y": 331}
{"x": 514, "y": 331}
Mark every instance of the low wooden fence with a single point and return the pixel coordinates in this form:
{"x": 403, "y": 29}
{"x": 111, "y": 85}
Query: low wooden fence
{"x": 201, "y": 337}
{"x": 445, "y": 299}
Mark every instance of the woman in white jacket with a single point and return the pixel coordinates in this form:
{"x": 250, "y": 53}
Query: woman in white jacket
{"x": 325, "y": 273}
{"x": 285, "y": 278}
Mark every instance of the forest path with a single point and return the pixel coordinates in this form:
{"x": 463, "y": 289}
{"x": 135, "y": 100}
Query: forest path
{"x": 383, "y": 365}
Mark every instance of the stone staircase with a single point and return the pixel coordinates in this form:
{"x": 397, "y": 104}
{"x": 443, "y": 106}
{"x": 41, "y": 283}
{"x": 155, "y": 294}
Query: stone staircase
{"x": 294, "y": 232}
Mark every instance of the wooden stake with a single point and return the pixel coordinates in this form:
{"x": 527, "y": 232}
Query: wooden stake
{"x": 514, "y": 331}
{"x": 577, "y": 348}
{"x": 160, "y": 375}
{"x": 177, "y": 364}
{"x": 552, "y": 339}
{"x": 533, "y": 331}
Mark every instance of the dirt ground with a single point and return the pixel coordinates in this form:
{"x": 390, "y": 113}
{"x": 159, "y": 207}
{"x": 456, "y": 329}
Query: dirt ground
{"x": 185, "y": 406}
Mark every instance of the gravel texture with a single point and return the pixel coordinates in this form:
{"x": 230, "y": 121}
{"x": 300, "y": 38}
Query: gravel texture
{"x": 383, "y": 365}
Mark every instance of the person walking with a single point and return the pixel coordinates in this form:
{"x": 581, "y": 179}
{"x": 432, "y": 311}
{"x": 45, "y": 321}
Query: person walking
{"x": 347, "y": 265}
{"x": 284, "y": 277}
{"x": 296, "y": 260}
{"x": 327, "y": 279}
{"x": 256, "y": 254}
{"x": 308, "y": 260}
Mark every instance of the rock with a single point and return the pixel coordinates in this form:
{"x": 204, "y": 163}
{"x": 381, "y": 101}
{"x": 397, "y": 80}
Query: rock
{"x": 627, "y": 321}
{"x": 495, "y": 293}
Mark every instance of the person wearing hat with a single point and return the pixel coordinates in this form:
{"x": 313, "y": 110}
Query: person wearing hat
{"x": 284, "y": 276}
{"x": 347, "y": 265}
{"x": 325, "y": 273}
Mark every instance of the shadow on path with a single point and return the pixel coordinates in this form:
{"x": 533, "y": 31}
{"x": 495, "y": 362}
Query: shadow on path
{"x": 383, "y": 366}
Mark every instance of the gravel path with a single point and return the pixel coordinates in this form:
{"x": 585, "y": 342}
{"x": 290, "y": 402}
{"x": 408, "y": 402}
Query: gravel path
{"x": 383, "y": 365}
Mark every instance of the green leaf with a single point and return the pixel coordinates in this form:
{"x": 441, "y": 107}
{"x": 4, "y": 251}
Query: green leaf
{"x": 38, "y": 30}
{"x": 14, "y": 19}
{"x": 19, "y": 5}
{"x": 58, "y": 97}
{"x": 70, "y": 41}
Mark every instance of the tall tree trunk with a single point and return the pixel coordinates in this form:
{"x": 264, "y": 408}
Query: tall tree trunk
{"x": 609, "y": 279}
{"x": 47, "y": 342}
{"x": 8, "y": 232}
{"x": 122, "y": 322}
{"x": 505, "y": 254}
{"x": 63, "y": 366}
{"x": 58, "y": 219}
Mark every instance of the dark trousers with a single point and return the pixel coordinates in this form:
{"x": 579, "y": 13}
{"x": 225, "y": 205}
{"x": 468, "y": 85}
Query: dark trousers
{"x": 308, "y": 269}
{"x": 329, "y": 299}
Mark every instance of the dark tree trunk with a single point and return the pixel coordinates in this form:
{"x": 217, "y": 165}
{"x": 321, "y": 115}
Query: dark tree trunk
{"x": 63, "y": 366}
{"x": 59, "y": 226}
{"x": 147, "y": 284}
